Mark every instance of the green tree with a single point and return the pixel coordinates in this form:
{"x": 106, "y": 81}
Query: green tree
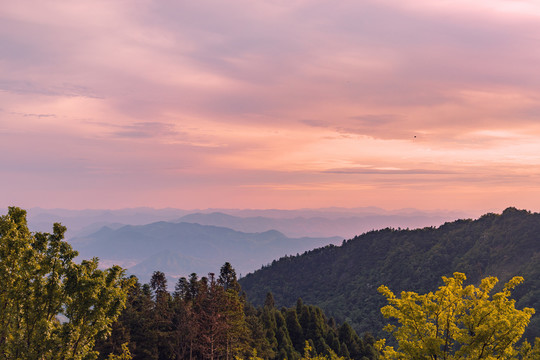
{"x": 162, "y": 315}
{"x": 350, "y": 338}
{"x": 185, "y": 327}
{"x": 227, "y": 278}
{"x": 125, "y": 355}
{"x": 295, "y": 330}
{"x": 527, "y": 352}
{"x": 310, "y": 354}
{"x": 456, "y": 322}
{"x": 257, "y": 334}
{"x": 50, "y": 306}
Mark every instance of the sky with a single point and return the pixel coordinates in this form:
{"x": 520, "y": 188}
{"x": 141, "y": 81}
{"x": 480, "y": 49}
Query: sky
{"x": 427, "y": 104}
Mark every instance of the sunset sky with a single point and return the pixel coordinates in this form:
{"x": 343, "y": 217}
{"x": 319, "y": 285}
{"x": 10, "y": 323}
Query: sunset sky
{"x": 431, "y": 104}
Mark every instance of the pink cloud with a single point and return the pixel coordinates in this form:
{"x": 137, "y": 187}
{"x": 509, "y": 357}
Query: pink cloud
{"x": 263, "y": 101}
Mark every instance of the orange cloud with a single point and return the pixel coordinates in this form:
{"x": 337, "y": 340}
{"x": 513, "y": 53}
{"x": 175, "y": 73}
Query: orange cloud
{"x": 270, "y": 104}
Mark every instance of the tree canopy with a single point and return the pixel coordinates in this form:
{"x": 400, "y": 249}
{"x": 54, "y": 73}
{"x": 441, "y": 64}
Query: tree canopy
{"x": 456, "y": 322}
{"x": 51, "y": 307}
{"x": 209, "y": 318}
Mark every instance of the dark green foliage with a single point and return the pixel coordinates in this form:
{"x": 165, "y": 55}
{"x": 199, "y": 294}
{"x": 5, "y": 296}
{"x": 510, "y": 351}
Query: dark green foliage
{"x": 343, "y": 280}
{"x": 288, "y": 329}
{"x": 258, "y": 339}
{"x": 269, "y": 301}
{"x": 227, "y": 278}
{"x": 296, "y": 333}
{"x": 202, "y": 319}
{"x": 162, "y": 315}
{"x": 209, "y": 319}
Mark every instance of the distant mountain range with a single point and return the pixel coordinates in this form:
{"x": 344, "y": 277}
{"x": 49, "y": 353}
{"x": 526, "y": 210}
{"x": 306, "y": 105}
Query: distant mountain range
{"x": 345, "y": 225}
{"x": 84, "y": 222}
{"x": 343, "y": 280}
{"x": 178, "y": 249}
{"x": 327, "y": 222}
{"x": 145, "y": 239}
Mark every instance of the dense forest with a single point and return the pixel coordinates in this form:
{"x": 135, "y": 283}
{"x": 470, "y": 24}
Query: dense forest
{"x": 54, "y": 308}
{"x": 209, "y": 317}
{"x": 343, "y": 280}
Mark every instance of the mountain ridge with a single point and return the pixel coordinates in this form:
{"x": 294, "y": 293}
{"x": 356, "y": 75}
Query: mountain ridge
{"x": 343, "y": 224}
{"x": 211, "y": 246}
{"x": 343, "y": 280}
{"x": 321, "y": 222}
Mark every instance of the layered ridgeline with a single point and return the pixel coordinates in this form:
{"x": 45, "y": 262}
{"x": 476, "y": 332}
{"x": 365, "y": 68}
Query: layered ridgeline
{"x": 316, "y": 223}
{"x": 179, "y": 249}
{"x": 179, "y": 242}
{"x": 343, "y": 280}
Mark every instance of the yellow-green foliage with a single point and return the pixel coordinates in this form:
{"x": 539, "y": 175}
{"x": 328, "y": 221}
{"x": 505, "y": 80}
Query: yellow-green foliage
{"x": 457, "y": 322}
{"x": 252, "y": 357}
{"x": 527, "y": 352}
{"x": 125, "y": 355}
{"x": 310, "y": 354}
{"x": 52, "y": 308}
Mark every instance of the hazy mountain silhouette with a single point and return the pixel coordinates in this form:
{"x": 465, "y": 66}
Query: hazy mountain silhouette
{"x": 182, "y": 248}
{"x": 320, "y": 223}
{"x": 343, "y": 222}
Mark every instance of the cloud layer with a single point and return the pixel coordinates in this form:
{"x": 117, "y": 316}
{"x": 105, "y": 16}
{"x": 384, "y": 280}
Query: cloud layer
{"x": 264, "y": 104}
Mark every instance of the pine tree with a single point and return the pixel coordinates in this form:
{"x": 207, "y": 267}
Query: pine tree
{"x": 162, "y": 314}
{"x": 295, "y": 330}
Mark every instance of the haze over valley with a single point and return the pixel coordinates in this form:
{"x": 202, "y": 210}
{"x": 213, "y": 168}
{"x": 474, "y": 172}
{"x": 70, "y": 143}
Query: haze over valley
{"x": 179, "y": 242}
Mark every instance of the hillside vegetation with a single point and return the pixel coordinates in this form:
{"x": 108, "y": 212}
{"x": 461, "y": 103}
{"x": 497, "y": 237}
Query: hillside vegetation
{"x": 54, "y": 308}
{"x": 343, "y": 280}
{"x": 208, "y": 318}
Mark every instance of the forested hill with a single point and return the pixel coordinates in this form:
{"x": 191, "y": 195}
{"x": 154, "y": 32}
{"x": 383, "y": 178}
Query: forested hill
{"x": 343, "y": 280}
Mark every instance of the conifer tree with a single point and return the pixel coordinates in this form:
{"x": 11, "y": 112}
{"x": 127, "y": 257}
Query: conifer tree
{"x": 184, "y": 328}
{"x": 227, "y": 278}
{"x": 295, "y": 330}
{"x": 162, "y": 315}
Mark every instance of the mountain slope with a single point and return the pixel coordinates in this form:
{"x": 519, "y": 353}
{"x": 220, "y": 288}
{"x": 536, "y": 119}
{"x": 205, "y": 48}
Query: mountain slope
{"x": 343, "y": 280}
